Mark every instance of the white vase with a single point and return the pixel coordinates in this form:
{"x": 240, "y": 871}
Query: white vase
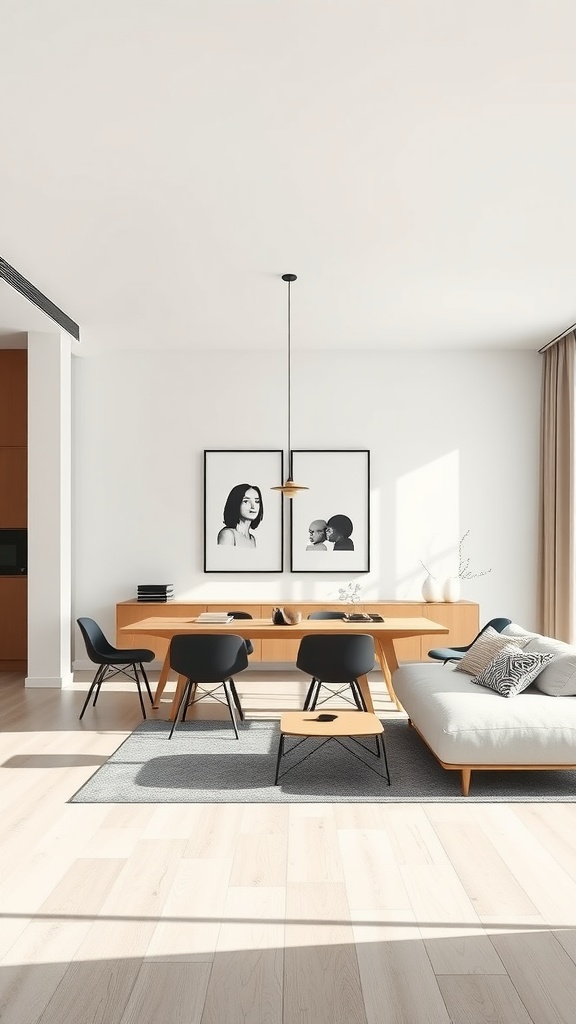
{"x": 431, "y": 589}
{"x": 451, "y": 589}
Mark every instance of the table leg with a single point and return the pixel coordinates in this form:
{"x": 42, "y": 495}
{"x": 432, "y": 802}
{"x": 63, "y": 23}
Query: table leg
{"x": 388, "y": 663}
{"x": 365, "y": 691}
{"x": 162, "y": 680}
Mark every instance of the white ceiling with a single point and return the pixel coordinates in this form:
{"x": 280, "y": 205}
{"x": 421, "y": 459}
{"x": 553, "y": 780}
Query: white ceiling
{"x": 163, "y": 162}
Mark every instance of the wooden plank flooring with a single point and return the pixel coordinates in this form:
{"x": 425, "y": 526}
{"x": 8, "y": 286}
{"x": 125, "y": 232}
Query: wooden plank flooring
{"x": 255, "y": 914}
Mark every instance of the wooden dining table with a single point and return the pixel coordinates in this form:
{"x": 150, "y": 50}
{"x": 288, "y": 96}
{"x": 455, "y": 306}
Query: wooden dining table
{"x": 384, "y": 634}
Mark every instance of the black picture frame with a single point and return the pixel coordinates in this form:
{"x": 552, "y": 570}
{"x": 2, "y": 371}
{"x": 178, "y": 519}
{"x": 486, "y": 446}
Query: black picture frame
{"x": 243, "y": 547}
{"x": 338, "y": 484}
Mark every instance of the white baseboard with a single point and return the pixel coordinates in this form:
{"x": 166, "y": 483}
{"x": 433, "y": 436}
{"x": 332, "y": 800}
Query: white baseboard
{"x": 57, "y": 682}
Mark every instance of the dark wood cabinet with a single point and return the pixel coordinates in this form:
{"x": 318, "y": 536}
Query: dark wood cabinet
{"x": 14, "y": 618}
{"x": 13, "y": 500}
{"x": 13, "y": 398}
{"x": 13, "y": 487}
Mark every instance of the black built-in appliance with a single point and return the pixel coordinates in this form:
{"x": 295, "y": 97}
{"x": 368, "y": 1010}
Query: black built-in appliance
{"x": 13, "y": 552}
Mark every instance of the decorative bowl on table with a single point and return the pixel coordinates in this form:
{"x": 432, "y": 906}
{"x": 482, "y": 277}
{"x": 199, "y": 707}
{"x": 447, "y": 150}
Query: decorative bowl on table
{"x": 285, "y": 616}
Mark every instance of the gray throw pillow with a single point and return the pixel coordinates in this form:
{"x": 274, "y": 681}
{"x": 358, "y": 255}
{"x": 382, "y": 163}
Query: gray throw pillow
{"x": 485, "y": 648}
{"x": 511, "y": 671}
{"x": 559, "y": 678}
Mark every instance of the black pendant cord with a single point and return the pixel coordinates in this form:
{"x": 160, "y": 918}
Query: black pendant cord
{"x": 289, "y": 278}
{"x": 289, "y": 388}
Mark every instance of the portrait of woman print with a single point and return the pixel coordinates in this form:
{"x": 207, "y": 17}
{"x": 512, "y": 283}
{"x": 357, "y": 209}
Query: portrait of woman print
{"x": 237, "y": 538}
{"x": 243, "y": 513}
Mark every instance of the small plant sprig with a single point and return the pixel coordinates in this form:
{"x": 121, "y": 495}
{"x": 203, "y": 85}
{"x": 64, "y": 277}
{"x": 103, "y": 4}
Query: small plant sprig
{"x": 464, "y": 564}
{"x": 350, "y": 594}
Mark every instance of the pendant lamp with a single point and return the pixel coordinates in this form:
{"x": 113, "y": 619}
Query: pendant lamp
{"x": 289, "y": 488}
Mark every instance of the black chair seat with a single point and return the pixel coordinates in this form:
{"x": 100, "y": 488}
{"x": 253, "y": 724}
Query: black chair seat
{"x": 121, "y": 656}
{"x": 446, "y": 654}
{"x": 113, "y": 661}
{"x": 208, "y": 660}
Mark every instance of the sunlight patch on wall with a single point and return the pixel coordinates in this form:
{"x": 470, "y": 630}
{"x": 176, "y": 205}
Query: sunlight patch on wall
{"x": 427, "y": 524}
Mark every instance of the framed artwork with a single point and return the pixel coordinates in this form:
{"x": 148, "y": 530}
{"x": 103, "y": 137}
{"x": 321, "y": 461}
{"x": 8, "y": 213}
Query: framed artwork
{"x": 243, "y": 518}
{"x": 330, "y": 522}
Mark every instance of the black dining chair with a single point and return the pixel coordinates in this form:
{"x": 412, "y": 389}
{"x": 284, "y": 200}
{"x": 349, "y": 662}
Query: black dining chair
{"x": 112, "y": 661}
{"x": 209, "y": 661}
{"x": 445, "y": 654}
{"x": 244, "y": 615}
{"x": 335, "y": 662}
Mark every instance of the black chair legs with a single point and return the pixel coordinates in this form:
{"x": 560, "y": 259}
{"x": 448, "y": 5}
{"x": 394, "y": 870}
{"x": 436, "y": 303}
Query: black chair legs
{"x": 313, "y": 693}
{"x": 147, "y": 683}
{"x": 106, "y": 672}
{"x": 310, "y": 694}
{"x": 236, "y": 700}
{"x": 184, "y": 701}
{"x": 137, "y": 678}
{"x": 232, "y": 700}
{"x": 94, "y": 687}
{"x": 357, "y": 694}
{"x": 380, "y": 740}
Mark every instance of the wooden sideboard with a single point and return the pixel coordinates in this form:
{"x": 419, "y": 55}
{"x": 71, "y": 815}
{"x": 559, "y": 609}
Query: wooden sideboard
{"x": 461, "y": 618}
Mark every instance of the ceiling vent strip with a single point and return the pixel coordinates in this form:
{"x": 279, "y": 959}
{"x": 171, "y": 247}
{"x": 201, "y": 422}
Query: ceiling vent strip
{"x": 27, "y": 289}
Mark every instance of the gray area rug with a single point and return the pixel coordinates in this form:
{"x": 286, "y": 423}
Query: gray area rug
{"x": 204, "y": 763}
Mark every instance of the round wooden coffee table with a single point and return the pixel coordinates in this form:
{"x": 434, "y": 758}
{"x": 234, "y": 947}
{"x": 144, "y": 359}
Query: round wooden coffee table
{"x": 334, "y": 725}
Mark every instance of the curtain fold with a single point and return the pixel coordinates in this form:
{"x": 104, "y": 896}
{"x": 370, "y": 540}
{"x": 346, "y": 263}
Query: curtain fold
{"x": 557, "y": 533}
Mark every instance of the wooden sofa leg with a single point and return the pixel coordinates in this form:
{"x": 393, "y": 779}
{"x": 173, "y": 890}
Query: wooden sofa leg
{"x": 466, "y": 777}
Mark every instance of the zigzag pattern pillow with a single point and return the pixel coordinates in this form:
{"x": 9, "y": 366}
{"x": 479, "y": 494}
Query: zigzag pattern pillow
{"x": 512, "y": 670}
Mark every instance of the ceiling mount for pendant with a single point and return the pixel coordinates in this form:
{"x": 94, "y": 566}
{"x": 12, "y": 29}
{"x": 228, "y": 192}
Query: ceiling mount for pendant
{"x": 289, "y": 488}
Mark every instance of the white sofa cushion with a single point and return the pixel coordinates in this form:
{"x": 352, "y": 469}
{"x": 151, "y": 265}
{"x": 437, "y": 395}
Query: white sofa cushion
{"x": 468, "y": 724}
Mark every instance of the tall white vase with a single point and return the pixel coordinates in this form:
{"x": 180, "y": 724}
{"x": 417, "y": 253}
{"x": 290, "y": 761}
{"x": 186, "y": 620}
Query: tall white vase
{"x": 451, "y": 589}
{"x": 431, "y": 589}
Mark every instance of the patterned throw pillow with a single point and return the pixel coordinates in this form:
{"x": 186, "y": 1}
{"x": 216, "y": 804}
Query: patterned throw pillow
{"x": 485, "y": 649}
{"x": 511, "y": 671}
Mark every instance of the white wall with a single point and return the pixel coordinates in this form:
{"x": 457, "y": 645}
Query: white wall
{"x": 454, "y": 443}
{"x": 49, "y": 509}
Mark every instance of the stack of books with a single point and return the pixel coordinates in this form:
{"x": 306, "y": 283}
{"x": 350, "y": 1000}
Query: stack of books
{"x": 214, "y": 617}
{"x": 363, "y": 617}
{"x": 155, "y": 592}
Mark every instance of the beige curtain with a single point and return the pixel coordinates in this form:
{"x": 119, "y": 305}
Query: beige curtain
{"x": 557, "y": 540}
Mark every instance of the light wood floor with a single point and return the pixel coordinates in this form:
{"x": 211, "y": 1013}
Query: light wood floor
{"x": 280, "y": 914}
